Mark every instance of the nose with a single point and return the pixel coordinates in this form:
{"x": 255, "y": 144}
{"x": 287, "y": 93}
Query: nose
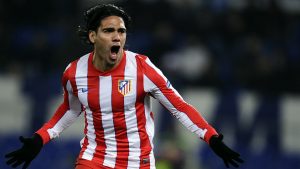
{"x": 116, "y": 37}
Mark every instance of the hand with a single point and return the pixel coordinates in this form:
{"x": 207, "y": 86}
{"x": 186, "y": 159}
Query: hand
{"x": 228, "y": 155}
{"x": 30, "y": 149}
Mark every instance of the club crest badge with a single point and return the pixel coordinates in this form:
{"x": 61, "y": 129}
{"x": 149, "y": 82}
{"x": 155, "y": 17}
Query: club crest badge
{"x": 124, "y": 86}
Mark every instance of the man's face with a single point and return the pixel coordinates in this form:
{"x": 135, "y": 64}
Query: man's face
{"x": 110, "y": 39}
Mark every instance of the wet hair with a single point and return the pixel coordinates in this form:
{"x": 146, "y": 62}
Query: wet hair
{"x": 94, "y": 16}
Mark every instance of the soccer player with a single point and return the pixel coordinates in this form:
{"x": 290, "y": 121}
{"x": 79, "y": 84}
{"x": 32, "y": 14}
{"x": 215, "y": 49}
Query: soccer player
{"x": 112, "y": 87}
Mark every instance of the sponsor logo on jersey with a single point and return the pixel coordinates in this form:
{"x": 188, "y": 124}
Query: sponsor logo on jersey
{"x": 124, "y": 86}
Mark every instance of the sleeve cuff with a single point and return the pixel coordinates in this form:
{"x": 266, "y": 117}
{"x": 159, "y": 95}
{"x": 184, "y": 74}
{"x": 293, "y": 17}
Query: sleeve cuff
{"x": 44, "y": 135}
{"x": 211, "y": 132}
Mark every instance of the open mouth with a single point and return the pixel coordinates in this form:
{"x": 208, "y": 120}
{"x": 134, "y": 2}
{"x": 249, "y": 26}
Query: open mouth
{"x": 114, "y": 52}
{"x": 115, "y": 49}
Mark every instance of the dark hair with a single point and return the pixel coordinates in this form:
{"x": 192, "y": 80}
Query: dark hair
{"x": 94, "y": 15}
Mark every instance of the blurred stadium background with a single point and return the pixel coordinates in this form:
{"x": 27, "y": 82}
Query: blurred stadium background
{"x": 238, "y": 62}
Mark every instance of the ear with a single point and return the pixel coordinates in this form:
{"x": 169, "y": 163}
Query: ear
{"x": 92, "y": 36}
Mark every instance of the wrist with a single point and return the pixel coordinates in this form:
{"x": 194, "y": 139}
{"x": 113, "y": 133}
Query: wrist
{"x": 213, "y": 139}
{"x": 216, "y": 140}
{"x": 37, "y": 140}
{"x": 44, "y": 135}
{"x": 210, "y": 132}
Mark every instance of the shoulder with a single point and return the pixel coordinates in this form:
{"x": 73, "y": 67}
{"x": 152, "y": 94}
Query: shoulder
{"x": 139, "y": 57}
{"x": 131, "y": 55}
{"x": 72, "y": 66}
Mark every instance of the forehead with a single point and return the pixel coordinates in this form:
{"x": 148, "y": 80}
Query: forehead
{"x": 112, "y": 21}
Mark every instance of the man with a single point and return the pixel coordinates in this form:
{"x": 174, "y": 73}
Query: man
{"x": 112, "y": 87}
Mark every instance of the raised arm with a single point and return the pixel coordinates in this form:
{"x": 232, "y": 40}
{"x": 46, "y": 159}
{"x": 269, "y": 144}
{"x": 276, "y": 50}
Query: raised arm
{"x": 159, "y": 86}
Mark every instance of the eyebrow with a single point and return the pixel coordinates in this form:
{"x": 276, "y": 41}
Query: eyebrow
{"x": 112, "y": 29}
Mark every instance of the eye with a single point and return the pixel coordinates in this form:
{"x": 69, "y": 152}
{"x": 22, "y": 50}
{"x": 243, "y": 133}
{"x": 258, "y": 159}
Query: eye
{"x": 122, "y": 30}
{"x": 108, "y": 30}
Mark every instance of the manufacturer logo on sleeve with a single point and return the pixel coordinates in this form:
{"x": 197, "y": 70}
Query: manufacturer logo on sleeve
{"x": 168, "y": 84}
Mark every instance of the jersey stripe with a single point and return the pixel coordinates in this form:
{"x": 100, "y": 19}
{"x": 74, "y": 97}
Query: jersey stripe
{"x": 145, "y": 146}
{"x": 72, "y": 76}
{"x": 90, "y": 136}
{"x": 130, "y": 113}
{"x": 82, "y": 84}
{"x": 107, "y": 121}
{"x": 94, "y": 98}
{"x": 119, "y": 118}
{"x": 149, "y": 127}
{"x": 71, "y": 73}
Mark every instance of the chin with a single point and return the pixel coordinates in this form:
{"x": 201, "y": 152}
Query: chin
{"x": 112, "y": 62}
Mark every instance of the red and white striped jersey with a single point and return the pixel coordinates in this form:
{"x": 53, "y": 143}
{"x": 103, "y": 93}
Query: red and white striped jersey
{"x": 119, "y": 126}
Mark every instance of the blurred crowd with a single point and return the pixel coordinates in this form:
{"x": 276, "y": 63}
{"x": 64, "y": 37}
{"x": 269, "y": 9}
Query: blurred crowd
{"x": 228, "y": 45}
{"x": 215, "y": 43}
